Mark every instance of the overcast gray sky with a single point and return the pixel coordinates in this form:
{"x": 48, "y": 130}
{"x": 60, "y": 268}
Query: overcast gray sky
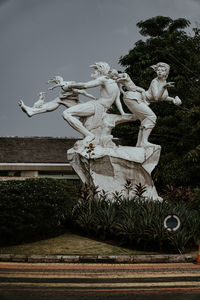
{"x": 42, "y": 38}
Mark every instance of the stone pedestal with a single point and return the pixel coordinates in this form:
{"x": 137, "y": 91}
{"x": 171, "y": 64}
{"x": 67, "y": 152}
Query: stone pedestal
{"x": 111, "y": 167}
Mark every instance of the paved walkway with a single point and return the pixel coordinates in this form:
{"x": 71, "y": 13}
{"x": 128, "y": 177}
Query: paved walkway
{"x": 98, "y": 281}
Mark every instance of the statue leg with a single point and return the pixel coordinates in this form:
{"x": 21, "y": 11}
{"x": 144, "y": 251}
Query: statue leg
{"x": 80, "y": 110}
{"x": 46, "y": 107}
{"x": 144, "y": 138}
{"x": 148, "y": 121}
{"x": 146, "y": 127}
{"x": 147, "y": 118}
{"x": 139, "y": 138}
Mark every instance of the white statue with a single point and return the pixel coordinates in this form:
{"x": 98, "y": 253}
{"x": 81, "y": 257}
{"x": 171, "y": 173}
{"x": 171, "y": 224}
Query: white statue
{"x": 137, "y": 100}
{"x": 158, "y": 88}
{"x": 67, "y": 97}
{"x": 40, "y": 101}
{"x": 66, "y": 90}
{"x": 109, "y": 93}
{"x": 110, "y": 165}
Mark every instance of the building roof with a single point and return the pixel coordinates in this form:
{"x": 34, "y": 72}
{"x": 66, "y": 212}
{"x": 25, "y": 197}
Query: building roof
{"x": 34, "y": 149}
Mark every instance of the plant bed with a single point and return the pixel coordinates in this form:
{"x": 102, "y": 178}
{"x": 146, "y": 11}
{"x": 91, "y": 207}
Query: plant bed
{"x": 139, "y": 223}
{"x": 70, "y": 244}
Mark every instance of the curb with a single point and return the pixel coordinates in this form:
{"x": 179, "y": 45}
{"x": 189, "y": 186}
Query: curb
{"x": 112, "y": 259}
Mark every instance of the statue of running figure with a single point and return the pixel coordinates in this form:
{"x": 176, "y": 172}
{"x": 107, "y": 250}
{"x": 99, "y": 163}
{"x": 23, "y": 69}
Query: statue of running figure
{"x": 109, "y": 93}
{"x": 138, "y": 100}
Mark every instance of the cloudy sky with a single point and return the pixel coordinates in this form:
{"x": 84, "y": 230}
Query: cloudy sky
{"x": 42, "y": 38}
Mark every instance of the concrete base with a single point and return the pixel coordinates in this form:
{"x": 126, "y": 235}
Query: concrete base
{"x": 110, "y": 168}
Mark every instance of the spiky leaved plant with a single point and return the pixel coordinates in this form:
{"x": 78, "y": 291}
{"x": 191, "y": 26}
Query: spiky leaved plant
{"x": 139, "y": 190}
{"x": 91, "y": 189}
{"x": 128, "y": 187}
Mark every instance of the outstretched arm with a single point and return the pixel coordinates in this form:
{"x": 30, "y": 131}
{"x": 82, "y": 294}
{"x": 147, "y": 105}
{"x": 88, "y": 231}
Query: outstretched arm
{"x": 83, "y": 92}
{"x": 55, "y": 86}
{"x": 85, "y": 85}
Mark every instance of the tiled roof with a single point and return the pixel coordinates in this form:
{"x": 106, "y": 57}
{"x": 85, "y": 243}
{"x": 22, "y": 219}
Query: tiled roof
{"x": 34, "y": 149}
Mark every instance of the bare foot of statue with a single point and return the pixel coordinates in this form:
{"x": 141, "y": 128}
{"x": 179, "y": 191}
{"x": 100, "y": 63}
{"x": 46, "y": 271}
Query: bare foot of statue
{"x": 88, "y": 139}
{"x": 25, "y": 108}
{"x": 85, "y": 142}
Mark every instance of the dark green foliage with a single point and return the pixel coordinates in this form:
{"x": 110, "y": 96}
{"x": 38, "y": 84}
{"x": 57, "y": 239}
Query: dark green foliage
{"x": 128, "y": 187}
{"x": 146, "y": 219}
{"x": 34, "y": 208}
{"x": 139, "y": 223}
{"x": 177, "y": 194}
{"x": 160, "y": 26}
{"x": 178, "y": 128}
{"x": 39, "y": 208}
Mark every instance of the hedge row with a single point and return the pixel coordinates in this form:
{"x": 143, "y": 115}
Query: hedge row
{"x": 34, "y": 208}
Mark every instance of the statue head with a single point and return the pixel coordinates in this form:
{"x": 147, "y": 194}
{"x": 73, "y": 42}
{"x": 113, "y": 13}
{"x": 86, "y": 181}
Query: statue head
{"x": 161, "y": 68}
{"x": 113, "y": 73}
{"x": 101, "y": 68}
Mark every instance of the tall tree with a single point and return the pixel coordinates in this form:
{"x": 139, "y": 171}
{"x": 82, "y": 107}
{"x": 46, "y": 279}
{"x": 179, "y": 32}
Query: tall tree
{"x": 178, "y": 128}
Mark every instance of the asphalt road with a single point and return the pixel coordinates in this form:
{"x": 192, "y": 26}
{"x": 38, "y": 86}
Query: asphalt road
{"x": 26, "y": 281}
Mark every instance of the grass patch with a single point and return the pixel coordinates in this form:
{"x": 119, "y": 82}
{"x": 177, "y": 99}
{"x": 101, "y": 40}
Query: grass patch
{"x": 69, "y": 243}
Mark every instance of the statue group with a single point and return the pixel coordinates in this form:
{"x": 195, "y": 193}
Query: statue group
{"x": 110, "y": 165}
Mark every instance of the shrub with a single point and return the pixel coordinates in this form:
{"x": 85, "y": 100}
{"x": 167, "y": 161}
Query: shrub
{"x": 138, "y": 222}
{"x": 175, "y": 194}
{"x": 34, "y": 208}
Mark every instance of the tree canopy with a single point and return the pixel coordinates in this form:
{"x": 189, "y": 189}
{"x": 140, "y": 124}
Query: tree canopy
{"x": 178, "y": 128}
